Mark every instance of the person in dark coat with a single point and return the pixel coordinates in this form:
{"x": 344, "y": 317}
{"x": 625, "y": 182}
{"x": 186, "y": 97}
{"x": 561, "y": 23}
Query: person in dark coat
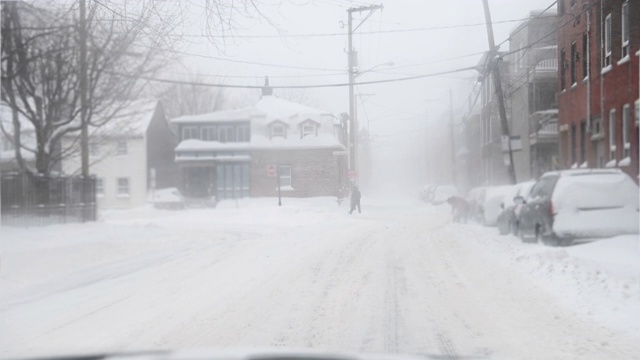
{"x": 459, "y": 209}
{"x": 355, "y": 199}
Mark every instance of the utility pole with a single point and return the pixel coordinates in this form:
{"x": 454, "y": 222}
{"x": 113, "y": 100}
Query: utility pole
{"x": 351, "y": 55}
{"x": 453, "y": 140}
{"x": 495, "y": 69}
{"x": 84, "y": 135}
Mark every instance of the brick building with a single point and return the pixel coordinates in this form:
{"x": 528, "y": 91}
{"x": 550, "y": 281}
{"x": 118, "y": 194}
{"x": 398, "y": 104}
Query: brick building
{"x": 247, "y": 152}
{"x": 598, "y": 41}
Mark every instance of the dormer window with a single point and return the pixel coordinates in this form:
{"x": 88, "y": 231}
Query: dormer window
{"x": 308, "y": 129}
{"x": 278, "y": 130}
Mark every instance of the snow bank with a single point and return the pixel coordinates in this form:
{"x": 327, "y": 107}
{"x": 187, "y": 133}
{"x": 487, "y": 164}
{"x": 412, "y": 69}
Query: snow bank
{"x": 599, "y": 280}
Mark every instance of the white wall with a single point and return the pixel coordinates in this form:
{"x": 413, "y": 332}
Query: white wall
{"x": 108, "y": 166}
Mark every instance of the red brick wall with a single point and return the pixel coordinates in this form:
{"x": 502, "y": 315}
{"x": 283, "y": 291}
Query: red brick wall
{"x": 611, "y": 90}
{"x": 314, "y": 172}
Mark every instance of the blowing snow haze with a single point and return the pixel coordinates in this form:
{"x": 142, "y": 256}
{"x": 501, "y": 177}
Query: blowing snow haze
{"x": 321, "y": 179}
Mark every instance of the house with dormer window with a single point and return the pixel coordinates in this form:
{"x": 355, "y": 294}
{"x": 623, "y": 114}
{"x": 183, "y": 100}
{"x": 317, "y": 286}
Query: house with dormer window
{"x": 254, "y": 151}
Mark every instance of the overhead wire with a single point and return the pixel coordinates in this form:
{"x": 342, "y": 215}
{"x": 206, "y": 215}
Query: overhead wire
{"x": 197, "y": 83}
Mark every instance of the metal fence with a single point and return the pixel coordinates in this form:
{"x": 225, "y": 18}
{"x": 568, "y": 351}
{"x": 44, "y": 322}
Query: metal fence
{"x": 39, "y": 200}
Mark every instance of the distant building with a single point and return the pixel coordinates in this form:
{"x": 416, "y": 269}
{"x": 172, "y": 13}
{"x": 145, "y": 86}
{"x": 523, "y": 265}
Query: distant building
{"x": 130, "y": 155}
{"x": 8, "y": 162}
{"x": 250, "y": 151}
{"x": 532, "y": 94}
{"x": 598, "y": 83}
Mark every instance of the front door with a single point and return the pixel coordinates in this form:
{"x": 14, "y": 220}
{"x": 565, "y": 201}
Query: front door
{"x": 199, "y": 181}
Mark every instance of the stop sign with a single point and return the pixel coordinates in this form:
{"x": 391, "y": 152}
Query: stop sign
{"x": 271, "y": 170}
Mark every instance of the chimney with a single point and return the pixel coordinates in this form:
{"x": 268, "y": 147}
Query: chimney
{"x": 266, "y": 89}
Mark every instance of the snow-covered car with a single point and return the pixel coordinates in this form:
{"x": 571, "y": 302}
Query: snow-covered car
{"x": 475, "y": 197}
{"x": 509, "y": 217}
{"x": 437, "y": 194}
{"x": 570, "y": 205}
{"x": 169, "y": 198}
{"x": 488, "y": 203}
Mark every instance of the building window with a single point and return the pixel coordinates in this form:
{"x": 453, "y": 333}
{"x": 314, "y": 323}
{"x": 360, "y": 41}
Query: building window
{"x": 574, "y": 63}
{"x": 561, "y": 7}
{"x": 121, "y": 147}
{"x": 563, "y": 69}
{"x": 190, "y": 132}
{"x": 226, "y": 134}
{"x": 284, "y": 173}
{"x": 626, "y": 130}
{"x": 123, "y": 187}
{"x": 607, "y": 42}
{"x": 585, "y": 55}
{"x": 100, "y": 187}
{"x": 612, "y": 134}
{"x": 308, "y": 129}
{"x": 243, "y": 133}
{"x": 626, "y": 17}
{"x": 277, "y": 130}
{"x": 209, "y": 133}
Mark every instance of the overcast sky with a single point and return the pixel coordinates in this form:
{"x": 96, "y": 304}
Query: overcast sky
{"x": 394, "y": 111}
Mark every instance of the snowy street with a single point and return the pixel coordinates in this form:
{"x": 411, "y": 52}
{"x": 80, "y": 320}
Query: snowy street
{"x": 398, "y": 278}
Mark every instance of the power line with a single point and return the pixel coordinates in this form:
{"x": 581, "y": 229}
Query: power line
{"x": 196, "y": 83}
{"x": 314, "y": 35}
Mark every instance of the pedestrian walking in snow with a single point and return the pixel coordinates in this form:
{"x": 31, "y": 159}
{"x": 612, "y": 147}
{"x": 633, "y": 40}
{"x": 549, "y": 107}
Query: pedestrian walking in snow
{"x": 355, "y": 199}
{"x": 459, "y": 209}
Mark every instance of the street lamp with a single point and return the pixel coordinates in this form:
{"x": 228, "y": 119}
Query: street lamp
{"x": 358, "y": 74}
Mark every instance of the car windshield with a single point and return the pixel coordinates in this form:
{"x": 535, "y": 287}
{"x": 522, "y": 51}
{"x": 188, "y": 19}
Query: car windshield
{"x": 324, "y": 179}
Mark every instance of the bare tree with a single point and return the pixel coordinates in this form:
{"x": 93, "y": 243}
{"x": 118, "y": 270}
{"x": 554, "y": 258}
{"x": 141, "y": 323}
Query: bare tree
{"x": 40, "y": 80}
{"x": 189, "y": 99}
{"x": 127, "y": 42}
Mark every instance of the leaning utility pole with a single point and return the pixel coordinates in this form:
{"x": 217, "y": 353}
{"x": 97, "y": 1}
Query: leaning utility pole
{"x": 84, "y": 134}
{"x": 495, "y": 69}
{"x": 453, "y": 139}
{"x": 353, "y": 126}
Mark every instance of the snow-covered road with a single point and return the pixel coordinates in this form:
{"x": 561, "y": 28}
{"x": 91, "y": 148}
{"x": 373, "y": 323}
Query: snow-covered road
{"x": 399, "y": 278}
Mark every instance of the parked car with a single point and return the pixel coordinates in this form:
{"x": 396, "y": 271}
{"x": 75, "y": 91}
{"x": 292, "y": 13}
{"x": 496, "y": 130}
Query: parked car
{"x": 169, "y": 198}
{"x": 566, "y": 206}
{"x": 475, "y": 199}
{"x": 485, "y": 203}
{"x": 509, "y": 218}
{"x": 437, "y": 194}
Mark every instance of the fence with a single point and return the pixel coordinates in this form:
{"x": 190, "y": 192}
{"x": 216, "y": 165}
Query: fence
{"x": 38, "y": 200}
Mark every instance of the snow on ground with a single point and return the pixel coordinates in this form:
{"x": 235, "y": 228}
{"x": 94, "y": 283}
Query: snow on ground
{"x": 398, "y": 278}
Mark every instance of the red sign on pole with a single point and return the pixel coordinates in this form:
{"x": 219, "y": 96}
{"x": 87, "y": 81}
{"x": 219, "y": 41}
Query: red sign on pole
{"x": 271, "y": 170}
{"x": 352, "y": 174}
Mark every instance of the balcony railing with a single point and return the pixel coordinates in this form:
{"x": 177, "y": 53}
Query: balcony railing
{"x": 547, "y": 65}
{"x": 543, "y": 127}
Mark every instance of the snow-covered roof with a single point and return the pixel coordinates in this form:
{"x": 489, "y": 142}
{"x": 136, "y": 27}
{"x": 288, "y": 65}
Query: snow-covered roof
{"x": 242, "y": 114}
{"x": 281, "y": 109}
{"x": 263, "y": 142}
{"x": 131, "y": 118}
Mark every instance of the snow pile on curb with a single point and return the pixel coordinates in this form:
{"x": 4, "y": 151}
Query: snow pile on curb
{"x": 599, "y": 280}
